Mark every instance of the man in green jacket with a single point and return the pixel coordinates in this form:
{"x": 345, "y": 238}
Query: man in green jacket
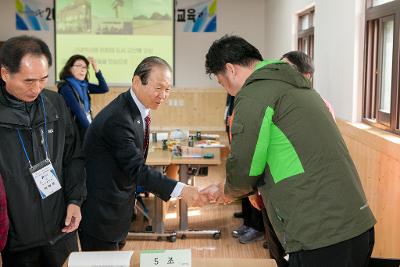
{"x": 286, "y": 143}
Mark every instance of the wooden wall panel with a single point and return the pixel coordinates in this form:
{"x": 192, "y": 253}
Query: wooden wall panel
{"x": 192, "y": 109}
{"x": 377, "y": 158}
{"x": 99, "y": 101}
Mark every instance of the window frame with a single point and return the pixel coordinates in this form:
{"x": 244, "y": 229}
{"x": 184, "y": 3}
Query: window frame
{"x": 373, "y": 58}
{"x": 306, "y": 34}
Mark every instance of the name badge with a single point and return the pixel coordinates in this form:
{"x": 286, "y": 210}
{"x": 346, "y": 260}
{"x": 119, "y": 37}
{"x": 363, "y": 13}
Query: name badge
{"x": 45, "y": 178}
{"x": 166, "y": 258}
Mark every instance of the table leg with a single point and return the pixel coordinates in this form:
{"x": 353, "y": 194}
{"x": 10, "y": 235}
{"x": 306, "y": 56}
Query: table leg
{"x": 158, "y": 222}
{"x": 183, "y": 209}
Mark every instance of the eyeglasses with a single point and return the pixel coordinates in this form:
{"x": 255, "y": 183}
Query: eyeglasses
{"x": 82, "y": 67}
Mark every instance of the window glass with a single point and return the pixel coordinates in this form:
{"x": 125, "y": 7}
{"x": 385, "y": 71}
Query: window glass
{"x": 305, "y": 22}
{"x": 380, "y": 2}
{"x": 386, "y": 80}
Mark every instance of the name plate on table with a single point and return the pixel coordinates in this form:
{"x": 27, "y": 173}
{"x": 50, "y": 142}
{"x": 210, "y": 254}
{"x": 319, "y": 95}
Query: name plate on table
{"x": 166, "y": 258}
{"x": 100, "y": 259}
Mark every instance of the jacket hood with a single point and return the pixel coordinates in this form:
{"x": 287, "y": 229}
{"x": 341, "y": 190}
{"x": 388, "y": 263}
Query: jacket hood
{"x": 280, "y": 72}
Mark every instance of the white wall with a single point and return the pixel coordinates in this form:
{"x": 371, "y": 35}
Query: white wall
{"x": 8, "y": 29}
{"x": 244, "y": 18}
{"x": 338, "y": 47}
{"x": 280, "y": 26}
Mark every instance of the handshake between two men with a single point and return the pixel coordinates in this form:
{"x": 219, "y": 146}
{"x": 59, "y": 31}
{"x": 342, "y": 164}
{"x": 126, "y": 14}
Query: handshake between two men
{"x": 211, "y": 194}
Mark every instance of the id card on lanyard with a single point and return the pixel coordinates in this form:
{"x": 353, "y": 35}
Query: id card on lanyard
{"x": 45, "y": 178}
{"x": 43, "y": 173}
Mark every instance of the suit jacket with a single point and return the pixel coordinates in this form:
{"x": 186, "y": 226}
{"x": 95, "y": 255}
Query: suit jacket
{"x": 115, "y": 164}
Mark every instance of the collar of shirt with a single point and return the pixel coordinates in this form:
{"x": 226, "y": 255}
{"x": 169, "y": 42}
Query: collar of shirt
{"x": 143, "y": 110}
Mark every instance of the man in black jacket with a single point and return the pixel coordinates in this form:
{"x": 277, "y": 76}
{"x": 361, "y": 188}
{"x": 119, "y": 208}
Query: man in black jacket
{"x": 40, "y": 159}
{"x": 116, "y": 147}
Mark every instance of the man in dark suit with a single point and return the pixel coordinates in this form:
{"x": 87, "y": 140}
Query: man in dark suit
{"x": 116, "y": 148}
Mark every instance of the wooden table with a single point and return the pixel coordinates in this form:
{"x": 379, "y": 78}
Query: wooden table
{"x": 158, "y": 157}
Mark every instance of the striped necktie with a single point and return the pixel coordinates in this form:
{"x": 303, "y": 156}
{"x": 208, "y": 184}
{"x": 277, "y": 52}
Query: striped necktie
{"x": 147, "y": 122}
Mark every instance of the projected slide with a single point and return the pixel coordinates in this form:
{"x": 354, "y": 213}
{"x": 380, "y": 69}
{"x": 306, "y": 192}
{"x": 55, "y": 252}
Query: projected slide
{"x": 118, "y": 33}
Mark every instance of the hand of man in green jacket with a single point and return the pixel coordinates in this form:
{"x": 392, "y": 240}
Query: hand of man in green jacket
{"x": 256, "y": 201}
{"x": 215, "y": 194}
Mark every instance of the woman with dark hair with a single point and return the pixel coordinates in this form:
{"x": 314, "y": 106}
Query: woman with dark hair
{"x": 75, "y": 89}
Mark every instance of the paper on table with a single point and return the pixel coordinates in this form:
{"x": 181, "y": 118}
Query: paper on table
{"x": 99, "y": 259}
{"x": 162, "y": 136}
{"x": 210, "y": 136}
{"x": 191, "y": 152}
{"x": 209, "y": 143}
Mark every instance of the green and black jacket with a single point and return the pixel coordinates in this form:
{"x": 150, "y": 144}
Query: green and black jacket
{"x": 286, "y": 143}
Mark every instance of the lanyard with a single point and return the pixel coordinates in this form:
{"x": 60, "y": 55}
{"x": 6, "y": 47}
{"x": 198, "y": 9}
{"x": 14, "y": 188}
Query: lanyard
{"x": 43, "y": 133}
